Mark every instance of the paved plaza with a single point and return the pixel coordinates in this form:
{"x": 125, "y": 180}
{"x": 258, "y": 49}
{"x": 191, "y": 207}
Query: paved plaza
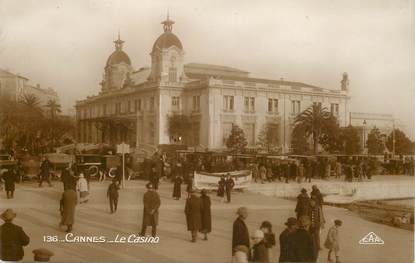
{"x": 38, "y": 213}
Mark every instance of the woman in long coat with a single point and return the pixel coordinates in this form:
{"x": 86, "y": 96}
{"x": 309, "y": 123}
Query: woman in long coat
{"x": 206, "y": 215}
{"x": 9, "y": 183}
{"x": 67, "y": 208}
{"x": 177, "y": 188}
{"x": 193, "y": 212}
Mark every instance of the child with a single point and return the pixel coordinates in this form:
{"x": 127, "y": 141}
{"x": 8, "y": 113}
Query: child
{"x": 269, "y": 236}
{"x": 332, "y": 241}
{"x": 112, "y": 194}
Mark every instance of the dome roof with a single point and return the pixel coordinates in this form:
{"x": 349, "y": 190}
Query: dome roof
{"x": 166, "y": 40}
{"x": 117, "y": 57}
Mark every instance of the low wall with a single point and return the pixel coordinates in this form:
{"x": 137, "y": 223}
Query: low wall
{"x": 342, "y": 192}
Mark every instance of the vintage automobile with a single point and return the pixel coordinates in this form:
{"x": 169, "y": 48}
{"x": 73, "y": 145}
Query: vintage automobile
{"x": 96, "y": 165}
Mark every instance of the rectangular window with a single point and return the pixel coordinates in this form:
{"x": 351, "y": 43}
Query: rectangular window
{"x": 151, "y": 104}
{"x": 252, "y": 104}
{"x": 249, "y": 104}
{"x": 246, "y": 104}
{"x": 295, "y": 107}
{"x": 118, "y": 108}
{"x": 228, "y": 103}
{"x": 172, "y": 75}
{"x": 196, "y": 103}
{"x": 334, "y": 109}
{"x": 137, "y": 105}
{"x": 175, "y": 103}
{"x": 128, "y": 106}
{"x": 272, "y": 106}
{"x": 104, "y": 109}
{"x": 317, "y": 103}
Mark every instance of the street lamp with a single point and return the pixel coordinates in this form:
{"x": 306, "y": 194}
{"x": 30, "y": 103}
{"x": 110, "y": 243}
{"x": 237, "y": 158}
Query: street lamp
{"x": 364, "y": 136}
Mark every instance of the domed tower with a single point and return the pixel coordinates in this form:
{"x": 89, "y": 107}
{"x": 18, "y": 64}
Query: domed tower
{"x": 117, "y": 68}
{"x": 167, "y": 56}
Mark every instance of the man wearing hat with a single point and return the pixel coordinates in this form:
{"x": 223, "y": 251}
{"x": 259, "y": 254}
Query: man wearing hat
{"x": 13, "y": 238}
{"x": 287, "y": 241}
{"x": 193, "y": 210}
{"x": 42, "y": 255}
{"x": 240, "y": 234}
{"x": 304, "y": 250}
{"x": 151, "y": 201}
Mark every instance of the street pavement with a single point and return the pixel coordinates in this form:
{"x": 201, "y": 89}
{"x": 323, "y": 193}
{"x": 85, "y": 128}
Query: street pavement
{"x": 37, "y": 212}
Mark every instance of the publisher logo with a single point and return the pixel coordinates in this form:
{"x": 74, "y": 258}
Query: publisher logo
{"x": 371, "y": 239}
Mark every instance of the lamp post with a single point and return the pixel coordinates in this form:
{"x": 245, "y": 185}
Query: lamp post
{"x": 364, "y": 136}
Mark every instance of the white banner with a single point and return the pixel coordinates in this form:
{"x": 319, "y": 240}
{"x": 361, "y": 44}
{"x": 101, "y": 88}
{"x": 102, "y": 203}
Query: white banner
{"x": 209, "y": 181}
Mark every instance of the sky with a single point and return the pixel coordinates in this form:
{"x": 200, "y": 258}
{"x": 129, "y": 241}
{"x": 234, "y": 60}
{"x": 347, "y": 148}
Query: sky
{"x": 65, "y": 44}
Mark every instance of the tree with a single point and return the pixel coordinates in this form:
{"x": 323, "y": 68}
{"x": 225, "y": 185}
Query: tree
{"x": 179, "y": 127}
{"x": 312, "y": 122}
{"x": 54, "y": 108}
{"x": 403, "y": 145}
{"x": 350, "y": 139}
{"x": 374, "y": 142}
{"x": 330, "y": 138}
{"x": 236, "y": 140}
{"x": 299, "y": 141}
{"x": 268, "y": 137}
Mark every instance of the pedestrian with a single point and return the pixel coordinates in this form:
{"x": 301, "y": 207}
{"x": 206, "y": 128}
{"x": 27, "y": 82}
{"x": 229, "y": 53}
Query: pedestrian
{"x": 189, "y": 187}
{"x": 255, "y": 172}
{"x": 269, "y": 236}
{"x": 44, "y": 172}
{"x": 240, "y": 234}
{"x": 259, "y": 250}
{"x": 9, "y": 178}
{"x": 332, "y": 241}
{"x": 42, "y": 255}
{"x": 263, "y": 173}
{"x": 303, "y": 204}
{"x": 287, "y": 242}
{"x": 112, "y": 195}
{"x": 206, "y": 214}
{"x": 67, "y": 208}
{"x": 303, "y": 242}
{"x": 241, "y": 254}
{"x": 338, "y": 170}
{"x": 82, "y": 188}
{"x": 318, "y": 196}
{"x": 193, "y": 211}
{"x": 229, "y": 184}
{"x": 67, "y": 178}
{"x": 151, "y": 201}
{"x": 300, "y": 173}
{"x": 317, "y": 222}
{"x": 221, "y": 188}
{"x": 293, "y": 170}
{"x": 177, "y": 187}
{"x": 12, "y": 238}
{"x": 270, "y": 175}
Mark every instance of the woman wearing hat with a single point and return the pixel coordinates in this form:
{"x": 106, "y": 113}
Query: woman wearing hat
{"x": 206, "y": 215}
{"x": 240, "y": 234}
{"x": 193, "y": 211}
{"x": 303, "y": 204}
{"x": 259, "y": 249}
{"x": 12, "y": 238}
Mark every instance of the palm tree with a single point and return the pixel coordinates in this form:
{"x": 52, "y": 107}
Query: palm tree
{"x": 312, "y": 121}
{"x": 54, "y": 108}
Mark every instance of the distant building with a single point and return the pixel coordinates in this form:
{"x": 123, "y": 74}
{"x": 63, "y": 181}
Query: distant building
{"x": 365, "y": 122}
{"x": 134, "y": 105}
{"x": 15, "y": 86}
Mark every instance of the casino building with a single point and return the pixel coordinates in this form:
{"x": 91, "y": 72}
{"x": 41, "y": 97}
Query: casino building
{"x": 135, "y": 106}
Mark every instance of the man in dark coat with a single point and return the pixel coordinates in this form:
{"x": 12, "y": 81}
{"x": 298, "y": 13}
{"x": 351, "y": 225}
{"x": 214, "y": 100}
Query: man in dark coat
{"x": 45, "y": 172}
{"x": 177, "y": 187}
{"x": 317, "y": 196}
{"x": 287, "y": 242}
{"x": 112, "y": 195}
{"x": 193, "y": 211}
{"x": 206, "y": 214}
{"x": 303, "y": 204}
{"x": 221, "y": 187}
{"x": 240, "y": 233}
{"x": 67, "y": 207}
{"x": 229, "y": 184}
{"x": 12, "y": 238}
{"x": 9, "y": 178}
{"x": 304, "y": 246}
{"x": 151, "y": 201}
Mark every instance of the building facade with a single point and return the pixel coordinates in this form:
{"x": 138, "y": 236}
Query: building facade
{"x": 15, "y": 87}
{"x": 135, "y": 106}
